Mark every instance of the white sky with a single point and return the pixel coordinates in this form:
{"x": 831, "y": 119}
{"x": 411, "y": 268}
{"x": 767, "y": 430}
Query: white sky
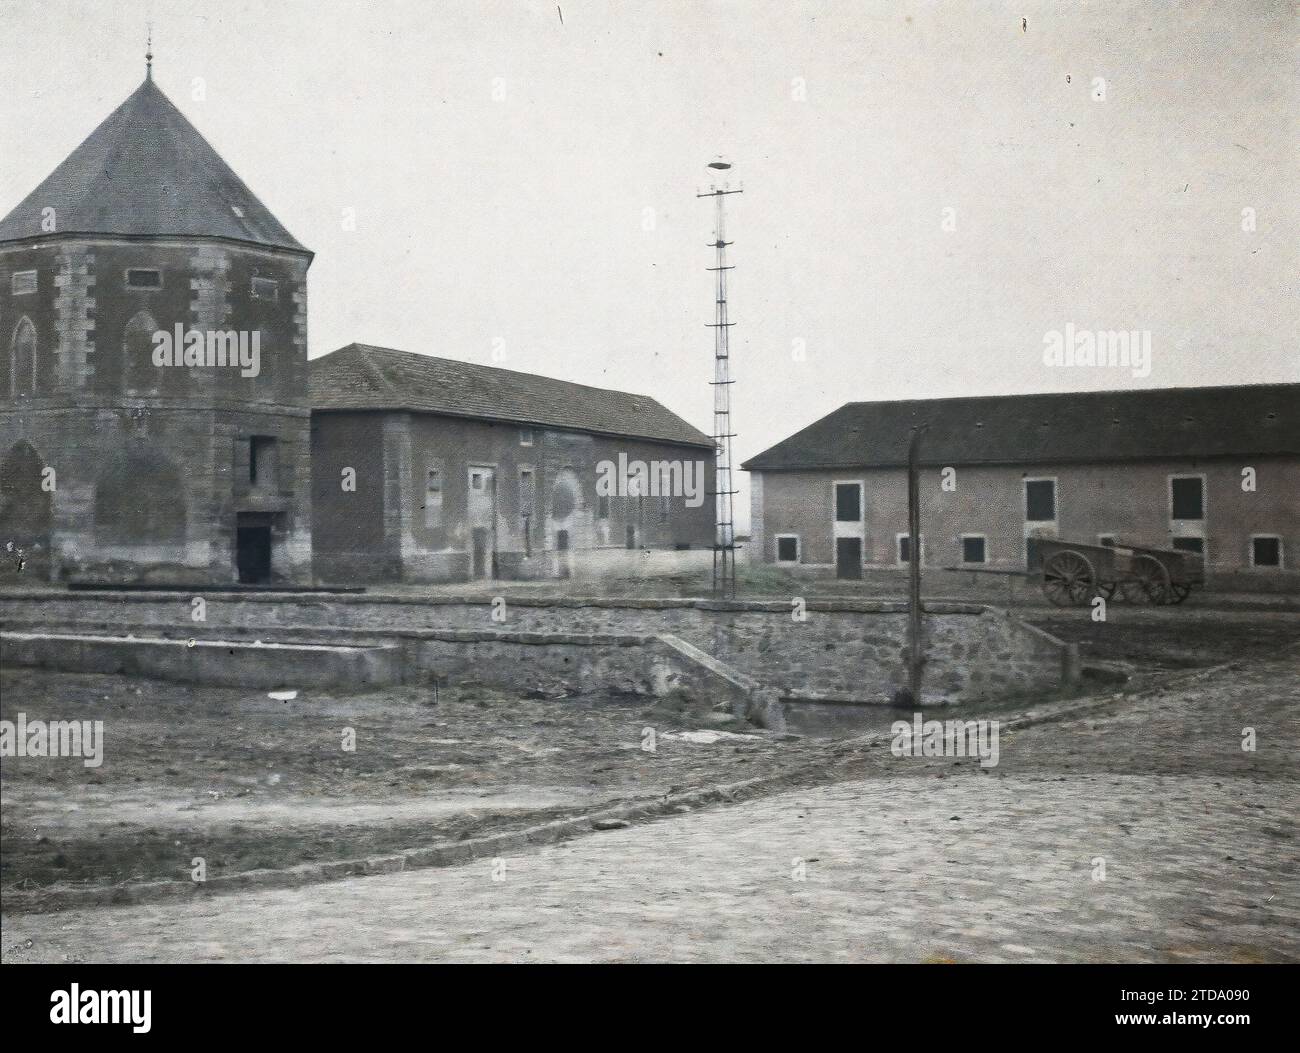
{"x": 522, "y": 219}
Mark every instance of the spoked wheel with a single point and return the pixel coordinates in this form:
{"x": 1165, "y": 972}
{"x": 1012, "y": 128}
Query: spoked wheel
{"x": 1151, "y": 579}
{"x": 1068, "y": 579}
{"x": 1179, "y": 591}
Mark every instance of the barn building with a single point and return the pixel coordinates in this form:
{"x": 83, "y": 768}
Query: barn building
{"x": 429, "y": 469}
{"x": 119, "y": 460}
{"x": 1215, "y": 471}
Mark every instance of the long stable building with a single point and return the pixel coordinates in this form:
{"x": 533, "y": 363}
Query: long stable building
{"x": 429, "y": 469}
{"x": 1213, "y": 470}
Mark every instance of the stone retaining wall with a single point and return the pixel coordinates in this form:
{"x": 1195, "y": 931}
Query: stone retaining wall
{"x": 227, "y": 663}
{"x": 842, "y": 650}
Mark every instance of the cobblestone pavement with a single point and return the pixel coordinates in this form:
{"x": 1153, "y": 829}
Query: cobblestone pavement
{"x": 916, "y": 860}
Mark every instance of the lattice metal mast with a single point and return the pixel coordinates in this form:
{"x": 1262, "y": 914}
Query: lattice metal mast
{"x": 724, "y": 543}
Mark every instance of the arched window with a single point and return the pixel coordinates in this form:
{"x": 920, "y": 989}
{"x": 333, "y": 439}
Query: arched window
{"x": 139, "y": 374}
{"x": 22, "y": 359}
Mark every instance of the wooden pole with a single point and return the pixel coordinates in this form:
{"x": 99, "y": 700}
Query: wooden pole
{"x": 914, "y": 644}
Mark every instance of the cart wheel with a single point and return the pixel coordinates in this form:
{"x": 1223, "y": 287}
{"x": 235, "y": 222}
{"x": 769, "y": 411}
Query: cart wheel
{"x": 1152, "y": 580}
{"x": 1130, "y": 591}
{"x": 1179, "y": 591}
{"x": 1068, "y": 579}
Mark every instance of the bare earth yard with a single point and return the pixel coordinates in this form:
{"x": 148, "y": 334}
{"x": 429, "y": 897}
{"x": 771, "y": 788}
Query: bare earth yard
{"x": 1156, "y": 779}
{"x": 905, "y": 859}
{"x": 247, "y": 782}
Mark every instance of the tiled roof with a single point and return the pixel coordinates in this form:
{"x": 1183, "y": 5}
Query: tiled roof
{"x": 147, "y": 171}
{"x": 1075, "y": 427}
{"x": 362, "y": 377}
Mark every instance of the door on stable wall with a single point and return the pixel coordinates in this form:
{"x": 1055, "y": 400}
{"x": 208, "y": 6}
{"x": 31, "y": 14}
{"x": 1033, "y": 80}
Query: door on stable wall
{"x": 483, "y": 521}
{"x": 848, "y": 557}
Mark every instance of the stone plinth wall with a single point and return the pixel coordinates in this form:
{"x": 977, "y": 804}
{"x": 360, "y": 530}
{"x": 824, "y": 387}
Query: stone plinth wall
{"x": 229, "y": 663}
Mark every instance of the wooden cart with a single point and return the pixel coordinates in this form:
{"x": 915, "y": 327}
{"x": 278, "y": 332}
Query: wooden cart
{"x": 1073, "y": 573}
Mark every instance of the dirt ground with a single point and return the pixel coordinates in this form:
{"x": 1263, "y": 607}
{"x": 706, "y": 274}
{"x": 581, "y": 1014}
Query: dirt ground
{"x": 1173, "y": 638}
{"x": 246, "y": 782}
{"x": 903, "y": 859}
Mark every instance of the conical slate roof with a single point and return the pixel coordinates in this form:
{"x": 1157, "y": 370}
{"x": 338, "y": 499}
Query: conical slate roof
{"x": 147, "y": 171}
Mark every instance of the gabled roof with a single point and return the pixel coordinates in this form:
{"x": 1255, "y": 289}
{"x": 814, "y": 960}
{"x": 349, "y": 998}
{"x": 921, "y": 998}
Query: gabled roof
{"x": 1083, "y": 426}
{"x": 147, "y": 171}
{"x": 362, "y": 377}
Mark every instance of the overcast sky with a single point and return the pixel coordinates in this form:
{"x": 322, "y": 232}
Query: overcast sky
{"x": 521, "y": 178}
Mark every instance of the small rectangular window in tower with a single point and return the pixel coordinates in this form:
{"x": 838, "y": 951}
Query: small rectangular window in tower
{"x": 23, "y": 282}
{"x": 261, "y": 461}
{"x": 526, "y": 437}
{"x": 144, "y": 278}
{"x": 265, "y": 289}
{"x": 972, "y": 548}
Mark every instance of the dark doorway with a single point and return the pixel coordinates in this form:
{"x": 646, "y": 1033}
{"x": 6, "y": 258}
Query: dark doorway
{"x": 562, "y": 569}
{"x": 848, "y": 557}
{"x": 253, "y": 549}
{"x": 479, "y": 569}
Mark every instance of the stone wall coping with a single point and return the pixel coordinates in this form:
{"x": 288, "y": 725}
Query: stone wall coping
{"x": 562, "y": 602}
{"x": 301, "y": 635}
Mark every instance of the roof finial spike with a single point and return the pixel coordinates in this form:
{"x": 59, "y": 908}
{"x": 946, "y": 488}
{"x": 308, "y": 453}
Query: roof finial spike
{"x": 148, "y": 53}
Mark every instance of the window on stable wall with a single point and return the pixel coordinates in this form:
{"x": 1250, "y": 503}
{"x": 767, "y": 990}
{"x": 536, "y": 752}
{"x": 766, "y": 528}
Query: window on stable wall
{"x": 1187, "y": 497}
{"x": 1040, "y": 500}
{"x": 1265, "y": 550}
{"x": 433, "y": 498}
{"x": 905, "y": 548}
{"x": 848, "y": 503}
